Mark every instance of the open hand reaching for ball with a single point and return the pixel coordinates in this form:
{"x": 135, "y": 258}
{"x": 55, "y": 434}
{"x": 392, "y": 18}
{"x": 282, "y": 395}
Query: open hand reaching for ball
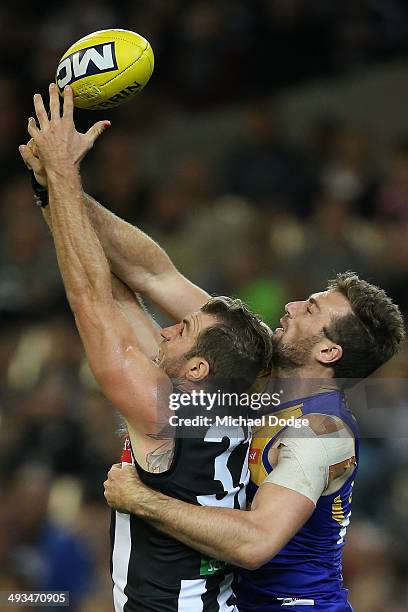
{"x": 56, "y": 143}
{"x": 30, "y": 157}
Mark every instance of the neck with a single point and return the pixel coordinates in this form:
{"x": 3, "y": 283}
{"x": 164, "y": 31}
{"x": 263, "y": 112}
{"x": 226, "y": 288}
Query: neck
{"x": 302, "y": 382}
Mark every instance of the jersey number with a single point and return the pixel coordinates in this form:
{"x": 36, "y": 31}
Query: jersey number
{"x": 222, "y": 473}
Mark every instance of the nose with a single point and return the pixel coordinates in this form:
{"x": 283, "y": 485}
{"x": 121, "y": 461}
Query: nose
{"x": 290, "y": 309}
{"x": 293, "y": 307}
{"x": 169, "y": 332}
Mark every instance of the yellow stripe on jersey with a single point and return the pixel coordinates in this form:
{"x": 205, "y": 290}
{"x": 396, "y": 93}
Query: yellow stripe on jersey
{"x": 337, "y": 510}
{"x": 262, "y": 437}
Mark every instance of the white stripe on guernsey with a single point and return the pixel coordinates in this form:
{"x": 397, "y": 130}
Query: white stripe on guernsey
{"x": 225, "y": 594}
{"x": 190, "y": 595}
{"x": 244, "y": 479}
{"x": 120, "y": 559}
{"x": 221, "y": 471}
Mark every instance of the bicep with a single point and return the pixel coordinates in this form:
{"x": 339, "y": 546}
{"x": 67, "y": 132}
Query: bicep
{"x": 175, "y": 295}
{"x": 137, "y": 388}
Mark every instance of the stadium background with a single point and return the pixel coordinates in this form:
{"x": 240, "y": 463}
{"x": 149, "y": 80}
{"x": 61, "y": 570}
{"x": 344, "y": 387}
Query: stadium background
{"x": 269, "y": 151}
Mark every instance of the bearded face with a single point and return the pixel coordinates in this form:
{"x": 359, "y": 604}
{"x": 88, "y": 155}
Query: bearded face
{"x": 173, "y": 366}
{"x": 178, "y": 340}
{"x": 294, "y": 354}
{"x": 303, "y": 327}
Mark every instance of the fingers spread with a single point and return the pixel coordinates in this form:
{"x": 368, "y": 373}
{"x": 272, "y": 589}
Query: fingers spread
{"x": 32, "y": 146}
{"x": 32, "y": 128}
{"x": 31, "y": 161}
{"x": 68, "y": 103}
{"x": 40, "y": 111}
{"x": 96, "y": 130}
{"x": 54, "y": 102}
{"x": 25, "y": 154}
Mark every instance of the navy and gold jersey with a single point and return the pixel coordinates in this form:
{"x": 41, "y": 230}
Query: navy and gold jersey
{"x": 307, "y": 571}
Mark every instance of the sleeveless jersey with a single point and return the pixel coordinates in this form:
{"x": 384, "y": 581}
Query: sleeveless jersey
{"x": 307, "y": 571}
{"x": 152, "y": 571}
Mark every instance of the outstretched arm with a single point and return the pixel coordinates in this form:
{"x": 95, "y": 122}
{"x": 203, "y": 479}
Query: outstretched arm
{"x": 141, "y": 322}
{"x": 143, "y": 265}
{"x": 131, "y": 304}
{"x": 128, "y": 378}
{"x": 133, "y": 256}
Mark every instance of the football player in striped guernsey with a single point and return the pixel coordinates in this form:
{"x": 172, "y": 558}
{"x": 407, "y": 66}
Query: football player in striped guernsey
{"x": 138, "y": 369}
{"x": 301, "y": 484}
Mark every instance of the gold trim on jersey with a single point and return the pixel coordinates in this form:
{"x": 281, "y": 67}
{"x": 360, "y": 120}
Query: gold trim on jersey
{"x": 262, "y": 437}
{"x": 338, "y": 513}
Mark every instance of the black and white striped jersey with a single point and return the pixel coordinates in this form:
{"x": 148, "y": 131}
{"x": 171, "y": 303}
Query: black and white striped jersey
{"x": 153, "y": 572}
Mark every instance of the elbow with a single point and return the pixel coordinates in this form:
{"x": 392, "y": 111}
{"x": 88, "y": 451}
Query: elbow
{"x": 254, "y": 554}
{"x": 251, "y": 560}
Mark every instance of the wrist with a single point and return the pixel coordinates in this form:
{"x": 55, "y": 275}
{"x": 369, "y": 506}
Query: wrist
{"x": 40, "y": 191}
{"x": 143, "y": 504}
{"x": 62, "y": 171}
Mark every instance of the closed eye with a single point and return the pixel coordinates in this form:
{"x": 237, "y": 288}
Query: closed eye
{"x": 186, "y": 324}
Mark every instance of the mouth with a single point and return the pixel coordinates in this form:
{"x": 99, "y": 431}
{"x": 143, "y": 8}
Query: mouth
{"x": 279, "y": 331}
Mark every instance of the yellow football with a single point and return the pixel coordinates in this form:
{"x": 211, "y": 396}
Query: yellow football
{"x": 106, "y": 68}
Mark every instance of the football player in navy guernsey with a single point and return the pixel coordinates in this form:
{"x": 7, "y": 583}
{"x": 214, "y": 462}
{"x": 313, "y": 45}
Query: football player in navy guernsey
{"x": 138, "y": 369}
{"x": 289, "y": 546}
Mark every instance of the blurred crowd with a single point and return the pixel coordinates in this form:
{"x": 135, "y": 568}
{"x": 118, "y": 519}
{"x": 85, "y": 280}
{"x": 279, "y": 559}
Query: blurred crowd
{"x": 270, "y": 221}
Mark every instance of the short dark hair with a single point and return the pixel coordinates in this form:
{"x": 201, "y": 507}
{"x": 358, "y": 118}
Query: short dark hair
{"x": 238, "y": 347}
{"x": 370, "y": 335}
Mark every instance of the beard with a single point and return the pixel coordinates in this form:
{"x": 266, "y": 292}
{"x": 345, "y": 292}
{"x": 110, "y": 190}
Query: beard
{"x": 289, "y": 356}
{"x": 172, "y": 366}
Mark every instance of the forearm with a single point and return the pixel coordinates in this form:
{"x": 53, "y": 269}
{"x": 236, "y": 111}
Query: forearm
{"x": 133, "y": 256}
{"x": 83, "y": 265}
{"x": 143, "y": 266}
{"x": 46, "y": 213}
{"x": 140, "y": 263}
{"x": 223, "y": 533}
{"x": 148, "y": 332}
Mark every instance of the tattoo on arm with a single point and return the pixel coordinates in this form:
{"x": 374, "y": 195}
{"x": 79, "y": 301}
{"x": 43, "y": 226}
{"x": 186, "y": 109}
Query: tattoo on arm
{"x": 160, "y": 459}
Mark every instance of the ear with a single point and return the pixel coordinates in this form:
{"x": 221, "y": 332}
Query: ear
{"x": 197, "y": 369}
{"x": 328, "y": 352}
